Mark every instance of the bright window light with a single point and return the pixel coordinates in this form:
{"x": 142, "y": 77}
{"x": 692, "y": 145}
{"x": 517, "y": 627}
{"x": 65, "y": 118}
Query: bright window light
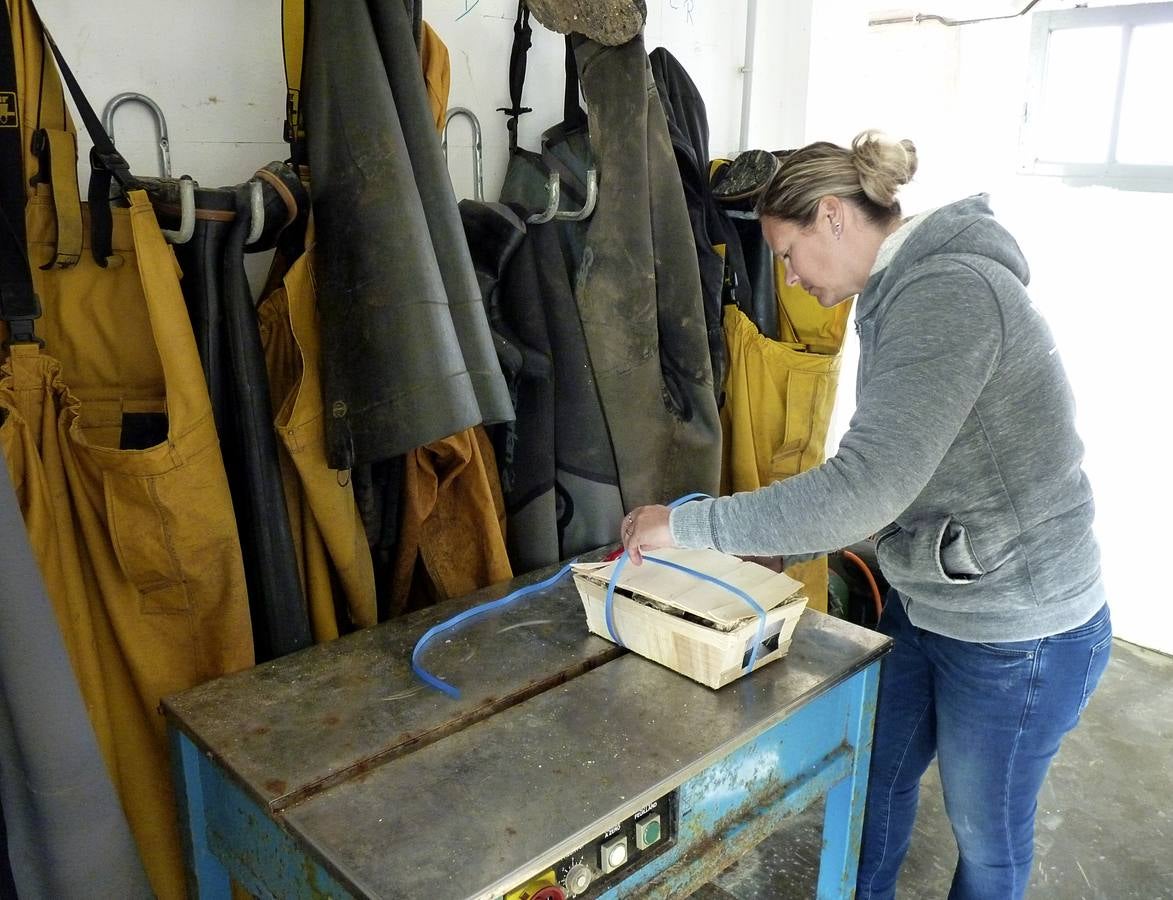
{"x": 1097, "y": 109}
{"x": 1146, "y": 124}
{"x": 1078, "y": 95}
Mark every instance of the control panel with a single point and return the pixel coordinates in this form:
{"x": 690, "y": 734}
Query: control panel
{"x": 608, "y": 858}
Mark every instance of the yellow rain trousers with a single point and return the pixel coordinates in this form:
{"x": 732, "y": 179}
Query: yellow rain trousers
{"x": 452, "y": 536}
{"x": 778, "y": 401}
{"x": 335, "y": 561}
{"x": 109, "y": 439}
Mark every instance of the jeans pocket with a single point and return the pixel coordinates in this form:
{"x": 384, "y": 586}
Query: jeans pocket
{"x": 1019, "y": 649}
{"x": 1096, "y": 665}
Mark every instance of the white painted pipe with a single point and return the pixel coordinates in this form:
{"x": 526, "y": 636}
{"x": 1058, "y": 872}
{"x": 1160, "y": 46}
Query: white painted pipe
{"x": 751, "y": 27}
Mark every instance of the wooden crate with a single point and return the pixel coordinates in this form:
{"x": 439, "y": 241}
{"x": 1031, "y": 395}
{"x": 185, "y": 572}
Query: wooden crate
{"x": 712, "y": 645}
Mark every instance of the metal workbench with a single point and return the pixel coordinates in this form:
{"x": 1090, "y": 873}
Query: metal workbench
{"x": 335, "y": 772}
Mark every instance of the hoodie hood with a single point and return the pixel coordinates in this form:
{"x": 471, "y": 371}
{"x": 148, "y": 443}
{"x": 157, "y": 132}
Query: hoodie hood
{"x": 964, "y": 227}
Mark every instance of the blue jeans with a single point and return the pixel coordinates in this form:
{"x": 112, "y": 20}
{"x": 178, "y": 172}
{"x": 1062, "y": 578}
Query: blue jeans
{"x": 994, "y": 715}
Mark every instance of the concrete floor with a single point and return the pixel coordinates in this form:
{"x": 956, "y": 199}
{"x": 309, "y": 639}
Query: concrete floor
{"x": 1104, "y": 829}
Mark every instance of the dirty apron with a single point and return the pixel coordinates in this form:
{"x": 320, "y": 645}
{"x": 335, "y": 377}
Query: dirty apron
{"x": 113, "y": 450}
{"x": 407, "y": 357}
{"x": 778, "y": 402}
{"x": 557, "y": 464}
{"x": 333, "y": 557}
{"x": 638, "y": 289}
{"x": 433, "y": 517}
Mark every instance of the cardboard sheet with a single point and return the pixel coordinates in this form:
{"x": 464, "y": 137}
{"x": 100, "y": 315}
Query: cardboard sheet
{"x": 693, "y": 595}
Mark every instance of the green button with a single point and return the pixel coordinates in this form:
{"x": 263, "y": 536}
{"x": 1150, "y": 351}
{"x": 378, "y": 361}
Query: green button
{"x": 647, "y": 831}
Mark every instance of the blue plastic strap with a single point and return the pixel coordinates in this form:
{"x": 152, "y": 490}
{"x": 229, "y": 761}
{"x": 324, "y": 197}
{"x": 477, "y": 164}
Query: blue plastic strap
{"x": 438, "y": 683}
{"x": 430, "y": 679}
{"x": 609, "y": 602}
{"x": 761, "y": 613}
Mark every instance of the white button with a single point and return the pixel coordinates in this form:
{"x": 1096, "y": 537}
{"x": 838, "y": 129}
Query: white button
{"x": 613, "y": 854}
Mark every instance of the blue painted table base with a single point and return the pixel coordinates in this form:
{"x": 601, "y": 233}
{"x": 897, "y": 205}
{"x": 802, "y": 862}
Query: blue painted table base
{"x": 821, "y": 749}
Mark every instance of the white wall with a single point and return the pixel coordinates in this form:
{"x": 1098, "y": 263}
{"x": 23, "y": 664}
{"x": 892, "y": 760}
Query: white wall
{"x": 707, "y": 38}
{"x": 215, "y": 67}
{"x": 1097, "y": 255}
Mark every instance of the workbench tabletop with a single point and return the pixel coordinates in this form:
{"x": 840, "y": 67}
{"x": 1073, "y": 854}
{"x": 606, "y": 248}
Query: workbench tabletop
{"x": 287, "y": 728}
{"x": 290, "y": 729}
{"x": 474, "y": 813}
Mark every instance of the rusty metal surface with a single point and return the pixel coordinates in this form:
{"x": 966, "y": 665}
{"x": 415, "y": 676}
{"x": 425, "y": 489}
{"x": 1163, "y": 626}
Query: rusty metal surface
{"x": 473, "y": 813}
{"x": 287, "y": 729}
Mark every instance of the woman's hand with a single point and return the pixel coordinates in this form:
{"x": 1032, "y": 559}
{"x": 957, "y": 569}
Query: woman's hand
{"x": 645, "y": 528}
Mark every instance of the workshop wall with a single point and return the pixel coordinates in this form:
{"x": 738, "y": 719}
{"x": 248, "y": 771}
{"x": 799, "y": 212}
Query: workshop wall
{"x": 819, "y": 73}
{"x": 216, "y": 69}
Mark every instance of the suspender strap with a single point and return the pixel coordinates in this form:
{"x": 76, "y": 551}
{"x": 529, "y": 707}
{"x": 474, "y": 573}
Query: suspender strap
{"x": 293, "y": 21}
{"x": 57, "y": 152}
{"x": 18, "y": 303}
{"x": 572, "y": 112}
{"x": 104, "y": 153}
{"x": 522, "y": 39}
{"x": 107, "y": 163}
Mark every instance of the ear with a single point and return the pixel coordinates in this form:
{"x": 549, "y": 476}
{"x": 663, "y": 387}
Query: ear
{"x": 831, "y": 210}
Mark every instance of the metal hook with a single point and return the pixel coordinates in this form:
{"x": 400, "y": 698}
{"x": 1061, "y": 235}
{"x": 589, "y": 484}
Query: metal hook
{"x": 478, "y": 173}
{"x": 588, "y": 207}
{"x": 257, "y": 211}
{"x": 554, "y": 197}
{"x": 186, "y": 213}
{"x": 160, "y": 122}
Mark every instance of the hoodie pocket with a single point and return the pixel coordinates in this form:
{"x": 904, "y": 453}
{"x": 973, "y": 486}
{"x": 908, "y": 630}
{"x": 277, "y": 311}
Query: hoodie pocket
{"x": 928, "y": 552}
{"x": 956, "y": 558}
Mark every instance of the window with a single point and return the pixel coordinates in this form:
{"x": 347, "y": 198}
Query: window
{"x": 1099, "y": 109}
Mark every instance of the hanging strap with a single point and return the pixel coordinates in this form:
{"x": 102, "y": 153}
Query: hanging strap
{"x": 573, "y": 115}
{"x": 57, "y": 154}
{"x": 522, "y": 39}
{"x": 107, "y": 165}
{"x": 19, "y": 306}
{"x": 52, "y": 147}
{"x": 293, "y": 21}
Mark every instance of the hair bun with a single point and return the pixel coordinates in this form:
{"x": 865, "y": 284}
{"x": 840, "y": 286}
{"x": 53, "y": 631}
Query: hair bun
{"x": 884, "y": 165}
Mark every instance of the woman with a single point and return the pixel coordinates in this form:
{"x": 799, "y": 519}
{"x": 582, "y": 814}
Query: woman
{"x": 963, "y": 461}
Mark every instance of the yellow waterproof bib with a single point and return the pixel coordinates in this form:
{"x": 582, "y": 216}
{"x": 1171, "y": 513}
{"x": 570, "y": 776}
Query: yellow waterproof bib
{"x": 778, "y": 401}
{"x": 113, "y": 451}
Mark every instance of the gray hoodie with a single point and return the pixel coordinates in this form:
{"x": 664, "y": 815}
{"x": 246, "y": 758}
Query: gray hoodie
{"x": 961, "y": 457}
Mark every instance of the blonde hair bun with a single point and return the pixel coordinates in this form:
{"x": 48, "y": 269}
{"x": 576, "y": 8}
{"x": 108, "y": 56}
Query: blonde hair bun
{"x": 884, "y": 165}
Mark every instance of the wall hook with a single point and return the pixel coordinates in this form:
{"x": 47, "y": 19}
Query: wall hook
{"x": 160, "y": 123}
{"x": 186, "y": 213}
{"x": 554, "y": 197}
{"x": 478, "y": 170}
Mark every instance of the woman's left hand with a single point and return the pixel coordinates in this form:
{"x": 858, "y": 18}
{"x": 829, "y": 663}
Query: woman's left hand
{"x": 645, "y": 528}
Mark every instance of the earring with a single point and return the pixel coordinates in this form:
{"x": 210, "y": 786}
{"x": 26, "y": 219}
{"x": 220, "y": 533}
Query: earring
{"x": 838, "y": 229}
